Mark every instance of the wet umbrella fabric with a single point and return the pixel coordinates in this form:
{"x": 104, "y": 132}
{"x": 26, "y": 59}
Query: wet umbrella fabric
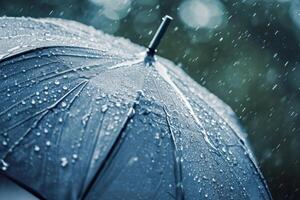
{"x": 82, "y": 116}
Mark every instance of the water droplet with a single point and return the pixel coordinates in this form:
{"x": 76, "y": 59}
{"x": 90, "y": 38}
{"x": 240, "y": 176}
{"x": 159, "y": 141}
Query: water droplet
{"x": 85, "y": 119}
{"x": 65, "y": 87}
{"x": 116, "y": 118}
{"x": 33, "y": 102}
{"x": 104, "y": 108}
{"x": 4, "y": 165}
{"x": 224, "y": 149}
{"x": 4, "y": 143}
{"x": 140, "y": 93}
{"x": 13, "y": 49}
{"x": 156, "y": 136}
{"x": 48, "y": 143}
{"x": 56, "y": 82}
{"x": 36, "y": 148}
{"x": 63, "y": 104}
{"x": 63, "y": 161}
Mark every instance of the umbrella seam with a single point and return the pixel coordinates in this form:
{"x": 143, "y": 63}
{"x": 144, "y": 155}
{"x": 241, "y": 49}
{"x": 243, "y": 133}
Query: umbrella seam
{"x": 112, "y": 152}
{"x": 91, "y": 157}
{"x": 177, "y": 161}
{"x": 239, "y": 140}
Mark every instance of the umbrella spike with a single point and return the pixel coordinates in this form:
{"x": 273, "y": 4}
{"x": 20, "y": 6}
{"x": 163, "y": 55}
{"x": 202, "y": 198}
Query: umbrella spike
{"x": 157, "y": 38}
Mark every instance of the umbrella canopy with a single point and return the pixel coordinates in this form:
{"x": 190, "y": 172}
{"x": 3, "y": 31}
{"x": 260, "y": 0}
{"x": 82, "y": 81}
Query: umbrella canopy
{"x": 83, "y": 117}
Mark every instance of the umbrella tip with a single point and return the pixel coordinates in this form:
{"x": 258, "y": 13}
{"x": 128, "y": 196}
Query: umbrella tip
{"x": 158, "y": 36}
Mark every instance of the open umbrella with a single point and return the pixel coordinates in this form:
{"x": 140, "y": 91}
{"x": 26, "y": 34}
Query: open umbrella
{"x": 84, "y": 115}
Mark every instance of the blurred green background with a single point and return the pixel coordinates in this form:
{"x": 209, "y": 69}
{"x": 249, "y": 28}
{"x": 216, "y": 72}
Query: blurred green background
{"x": 247, "y": 52}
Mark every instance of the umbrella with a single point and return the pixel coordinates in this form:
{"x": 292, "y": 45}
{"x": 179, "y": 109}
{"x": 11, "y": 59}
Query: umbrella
{"x": 84, "y": 115}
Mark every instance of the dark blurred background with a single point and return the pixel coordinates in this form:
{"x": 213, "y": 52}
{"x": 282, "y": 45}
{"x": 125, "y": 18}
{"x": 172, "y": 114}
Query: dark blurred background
{"x": 247, "y": 52}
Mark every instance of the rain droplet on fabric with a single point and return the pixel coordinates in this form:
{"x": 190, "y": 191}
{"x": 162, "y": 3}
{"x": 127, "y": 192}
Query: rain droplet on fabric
{"x": 4, "y": 165}
{"x": 104, "y": 108}
{"x": 63, "y": 104}
{"x": 4, "y": 143}
{"x": 48, "y": 143}
{"x": 36, "y": 148}
{"x": 63, "y": 161}
{"x": 56, "y": 82}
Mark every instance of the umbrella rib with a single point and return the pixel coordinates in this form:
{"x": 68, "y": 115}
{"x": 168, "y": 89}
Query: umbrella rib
{"x": 126, "y": 63}
{"x": 5, "y": 60}
{"x": 177, "y": 166}
{"x": 55, "y": 74}
{"x": 46, "y": 109}
{"x": 164, "y": 74}
{"x": 29, "y": 69}
{"x": 57, "y": 142}
{"x": 177, "y": 161}
{"x": 98, "y": 131}
{"x": 15, "y": 104}
{"x": 113, "y": 150}
{"x": 43, "y": 113}
{"x": 173, "y": 138}
{"x": 235, "y": 133}
{"x": 36, "y": 123}
{"x": 241, "y": 144}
